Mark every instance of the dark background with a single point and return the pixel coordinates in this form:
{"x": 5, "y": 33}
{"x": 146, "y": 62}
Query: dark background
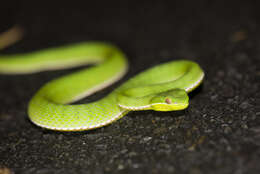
{"x": 220, "y": 131}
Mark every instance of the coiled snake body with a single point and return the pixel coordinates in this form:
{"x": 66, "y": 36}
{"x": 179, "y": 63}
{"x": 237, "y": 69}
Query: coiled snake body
{"x": 161, "y": 88}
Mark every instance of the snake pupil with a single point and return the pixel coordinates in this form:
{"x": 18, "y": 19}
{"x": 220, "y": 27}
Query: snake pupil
{"x": 168, "y": 100}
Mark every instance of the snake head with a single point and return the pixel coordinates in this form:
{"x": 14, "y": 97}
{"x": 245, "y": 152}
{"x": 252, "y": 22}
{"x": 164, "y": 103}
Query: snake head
{"x": 172, "y": 100}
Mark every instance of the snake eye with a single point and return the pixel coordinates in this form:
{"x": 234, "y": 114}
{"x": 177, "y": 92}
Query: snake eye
{"x": 168, "y": 101}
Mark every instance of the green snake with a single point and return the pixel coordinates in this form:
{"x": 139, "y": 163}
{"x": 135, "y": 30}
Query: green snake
{"x": 160, "y": 88}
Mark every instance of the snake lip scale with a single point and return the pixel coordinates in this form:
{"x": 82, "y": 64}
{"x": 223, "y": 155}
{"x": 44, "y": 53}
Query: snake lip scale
{"x": 161, "y": 88}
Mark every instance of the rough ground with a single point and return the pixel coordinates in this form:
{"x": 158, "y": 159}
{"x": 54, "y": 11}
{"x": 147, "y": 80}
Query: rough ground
{"x": 218, "y": 134}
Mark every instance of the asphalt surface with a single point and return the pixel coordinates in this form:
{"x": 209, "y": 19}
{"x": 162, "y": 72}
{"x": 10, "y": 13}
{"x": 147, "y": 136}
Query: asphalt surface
{"x": 218, "y": 134}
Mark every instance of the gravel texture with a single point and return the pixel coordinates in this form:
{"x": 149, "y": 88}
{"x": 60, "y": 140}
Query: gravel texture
{"x": 218, "y": 134}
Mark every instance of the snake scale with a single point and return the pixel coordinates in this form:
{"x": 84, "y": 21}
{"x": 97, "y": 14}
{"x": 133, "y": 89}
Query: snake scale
{"x": 161, "y": 88}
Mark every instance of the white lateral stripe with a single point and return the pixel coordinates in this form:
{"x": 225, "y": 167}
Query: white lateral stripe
{"x": 195, "y": 84}
{"x": 134, "y": 107}
{"x": 83, "y": 127}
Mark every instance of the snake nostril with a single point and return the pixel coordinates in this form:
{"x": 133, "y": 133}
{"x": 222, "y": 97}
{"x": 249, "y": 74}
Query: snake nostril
{"x": 168, "y": 100}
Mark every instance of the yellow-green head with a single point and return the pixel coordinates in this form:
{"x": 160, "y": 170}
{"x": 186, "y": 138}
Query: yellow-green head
{"x": 176, "y": 99}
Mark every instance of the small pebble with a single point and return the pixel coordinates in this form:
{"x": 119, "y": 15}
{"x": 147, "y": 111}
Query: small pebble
{"x": 244, "y": 105}
{"x": 227, "y": 130}
{"x": 120, "y": 167}
{"x": 146, "y": 139}
{"x": 213, "y": 97}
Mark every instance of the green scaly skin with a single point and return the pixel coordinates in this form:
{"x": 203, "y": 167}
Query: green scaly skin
{"x": 161, "y": 88}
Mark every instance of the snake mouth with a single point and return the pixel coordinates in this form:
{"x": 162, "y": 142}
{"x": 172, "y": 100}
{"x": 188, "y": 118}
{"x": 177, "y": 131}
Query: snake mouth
{"x": 157, "y": 107}
{"x": 169, "y": 107}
